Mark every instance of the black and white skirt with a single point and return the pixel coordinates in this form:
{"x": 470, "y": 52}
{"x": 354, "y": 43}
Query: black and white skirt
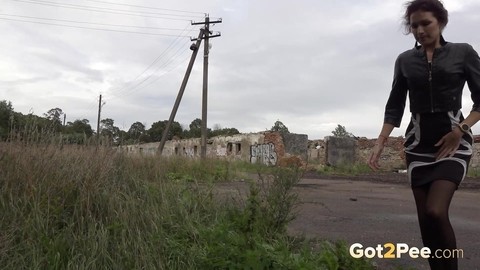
{"x": 423, "y": 132}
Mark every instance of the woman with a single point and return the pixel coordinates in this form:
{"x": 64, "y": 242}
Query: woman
{"x": 438, "y": 140}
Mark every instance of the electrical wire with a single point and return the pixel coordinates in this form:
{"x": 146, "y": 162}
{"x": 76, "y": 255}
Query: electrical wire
{"x": 105, "y": 10}
{"x": 136, "y": 86}
{"x": 128, "y": 89}
{"x": 184, "y": 60}
{"x": 92, "y": 28}
{"x": 137, "y": 6}
{"x": 175, "y": 56}
{"x": 81, "y": 22}
{"x": 132, "y": 86}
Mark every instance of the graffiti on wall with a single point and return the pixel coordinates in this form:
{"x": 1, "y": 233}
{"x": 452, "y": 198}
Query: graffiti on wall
{"x": 190, "y": 152}
{"x": 263, "y": 153}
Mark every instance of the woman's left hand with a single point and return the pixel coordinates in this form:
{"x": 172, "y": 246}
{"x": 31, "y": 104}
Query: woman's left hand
{"x": 449, "y": 144}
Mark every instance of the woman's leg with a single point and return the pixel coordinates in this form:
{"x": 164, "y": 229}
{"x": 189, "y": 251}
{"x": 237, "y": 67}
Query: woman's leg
{"x": 433, "y": 202}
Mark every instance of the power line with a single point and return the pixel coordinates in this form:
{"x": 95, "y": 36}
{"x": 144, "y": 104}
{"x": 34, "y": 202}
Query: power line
{"x": 168, "y": 71}
{"x": 174, "y": 10}
{"x": 128, "y": 88}
{"x": 174, "y": 57}
{"x": 81, "y": 22}
{"x": 104, "y": 10}
{"x": 92, "y": 28}
{"x": 135, "y": 86}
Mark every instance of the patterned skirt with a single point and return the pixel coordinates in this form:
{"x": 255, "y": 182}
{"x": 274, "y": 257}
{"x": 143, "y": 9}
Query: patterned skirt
{"x": 423, "y": 132}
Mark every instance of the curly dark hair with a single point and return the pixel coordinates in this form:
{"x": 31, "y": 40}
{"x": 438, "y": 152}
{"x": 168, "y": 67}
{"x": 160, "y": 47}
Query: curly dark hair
{"x": 434, "y": 6}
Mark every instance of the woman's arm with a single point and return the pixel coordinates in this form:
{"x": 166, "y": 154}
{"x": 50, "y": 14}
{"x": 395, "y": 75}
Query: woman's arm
{"x": 451, "y": 141}
{"x": 379, "y": 144}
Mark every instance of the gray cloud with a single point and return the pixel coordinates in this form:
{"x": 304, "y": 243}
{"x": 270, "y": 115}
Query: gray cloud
{"x": 309, "y": 64}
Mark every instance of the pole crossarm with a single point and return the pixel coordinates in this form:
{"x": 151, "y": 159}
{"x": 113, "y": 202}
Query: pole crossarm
{"x": 210, "y": 22}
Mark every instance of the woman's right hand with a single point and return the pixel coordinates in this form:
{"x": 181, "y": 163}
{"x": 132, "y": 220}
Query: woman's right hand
{"x": 375, "y": 154}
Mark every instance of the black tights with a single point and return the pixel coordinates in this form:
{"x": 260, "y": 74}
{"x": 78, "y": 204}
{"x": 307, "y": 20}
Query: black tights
{"x": 433, "y": 201}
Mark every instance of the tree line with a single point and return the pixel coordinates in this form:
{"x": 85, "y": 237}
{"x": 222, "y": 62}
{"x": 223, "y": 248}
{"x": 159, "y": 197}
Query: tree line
{"x": 79, "y": 131}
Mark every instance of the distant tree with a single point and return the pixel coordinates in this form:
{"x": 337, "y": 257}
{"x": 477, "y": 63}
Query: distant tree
{"x": 157, "y": 128}
{"x": 79, "y": 127}
{"x": 27, "y": 125}
{"x": 341, "y": 131}
{"x": 54, "y": 117}
{"x": 135, "y": 131}
{"x": 109, "y": 130}
{"x": 280, "y": 127}
{"x": 6, "y": 118}
{"x": 195, "y": 129}
{"x": 144, "y": 138}
{"x": 224, "y": 132}
{"x": 123, "y": 137}
{"x": 217, "y": 127}
{"x": 196, "y": 124}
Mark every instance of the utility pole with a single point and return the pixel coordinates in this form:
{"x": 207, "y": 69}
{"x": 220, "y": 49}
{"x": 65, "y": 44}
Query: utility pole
{"x": 194, "y": 48}
{"x": 98, "y": 119}
{"x": 206, "y": 50}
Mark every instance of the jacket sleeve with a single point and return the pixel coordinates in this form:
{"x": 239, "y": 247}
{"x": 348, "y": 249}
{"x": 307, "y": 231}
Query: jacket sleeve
{"x": 472, "y": 71}
{"x": 398, "y": 95}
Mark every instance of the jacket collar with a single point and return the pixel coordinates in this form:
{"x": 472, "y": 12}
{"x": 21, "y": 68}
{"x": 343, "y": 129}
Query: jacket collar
{"x": 418, "y": 47}
{"x": 442, "y": 43}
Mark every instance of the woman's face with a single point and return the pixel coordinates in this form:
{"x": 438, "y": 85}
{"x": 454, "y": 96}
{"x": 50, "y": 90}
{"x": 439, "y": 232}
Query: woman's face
{"x": 425, "y": 28}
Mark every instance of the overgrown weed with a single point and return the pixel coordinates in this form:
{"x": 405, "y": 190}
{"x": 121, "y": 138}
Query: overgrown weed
{"x": 89, "y": 207}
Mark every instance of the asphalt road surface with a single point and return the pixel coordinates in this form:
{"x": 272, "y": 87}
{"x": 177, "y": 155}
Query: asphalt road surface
{"x": 375, "y": 212}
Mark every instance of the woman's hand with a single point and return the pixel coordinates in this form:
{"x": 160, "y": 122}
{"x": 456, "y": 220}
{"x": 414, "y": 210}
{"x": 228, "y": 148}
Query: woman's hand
{"x": 449, "y": 144}
{"x": 376, "y": 152}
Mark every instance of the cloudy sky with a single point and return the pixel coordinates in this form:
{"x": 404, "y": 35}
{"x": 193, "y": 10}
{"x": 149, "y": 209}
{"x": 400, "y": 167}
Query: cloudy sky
{"x": 310, "y": 64}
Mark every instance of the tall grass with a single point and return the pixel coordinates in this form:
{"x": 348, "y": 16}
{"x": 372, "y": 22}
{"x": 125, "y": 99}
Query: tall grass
{"x": 82, "y": 207}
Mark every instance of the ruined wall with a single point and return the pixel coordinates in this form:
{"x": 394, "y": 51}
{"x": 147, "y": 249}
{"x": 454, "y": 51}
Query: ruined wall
{"x": 271, "y": 148}
{"x": 340, "y": 151}
{"x": 475, "y": 161}
{"x": 265, "y": 147}
{"x": 296, "y": 144}
{"x": 323, "y": 152}
{"x": 317, "y": 152}
{"x": 392, "y": 158}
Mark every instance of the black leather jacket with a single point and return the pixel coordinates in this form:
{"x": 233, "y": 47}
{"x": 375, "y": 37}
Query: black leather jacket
{"x": 435, "y": 87}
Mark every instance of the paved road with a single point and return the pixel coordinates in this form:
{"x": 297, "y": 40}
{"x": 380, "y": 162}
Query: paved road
{"x": 376, "y": 213}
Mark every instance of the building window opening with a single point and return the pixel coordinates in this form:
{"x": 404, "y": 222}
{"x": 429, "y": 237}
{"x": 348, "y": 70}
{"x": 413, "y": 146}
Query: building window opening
{"x": 238, "y": 148}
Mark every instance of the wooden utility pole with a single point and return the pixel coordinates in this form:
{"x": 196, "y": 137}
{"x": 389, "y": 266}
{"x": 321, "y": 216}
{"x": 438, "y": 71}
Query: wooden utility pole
{"x": 203, "y": 148}
{"x": 206, "y": 50}
{"x": 204, "y": 34}
{"x": 194, "y": 48}
{"x": 98, "y": 118}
